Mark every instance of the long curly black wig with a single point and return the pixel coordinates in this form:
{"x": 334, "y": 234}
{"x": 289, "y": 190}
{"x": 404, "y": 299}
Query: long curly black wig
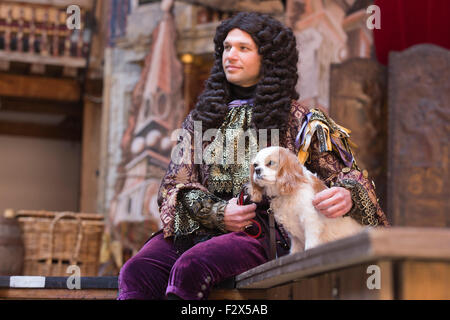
{"x": 276, "y": 87}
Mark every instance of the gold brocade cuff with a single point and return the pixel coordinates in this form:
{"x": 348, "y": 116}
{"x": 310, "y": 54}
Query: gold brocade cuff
{"x": 363, "y": 210}
{"x": 217, "y": 213}
{"x": 205, "y": 208}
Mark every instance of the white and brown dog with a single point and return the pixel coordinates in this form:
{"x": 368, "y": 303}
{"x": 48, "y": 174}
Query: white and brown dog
{"x": 277, "y": 173}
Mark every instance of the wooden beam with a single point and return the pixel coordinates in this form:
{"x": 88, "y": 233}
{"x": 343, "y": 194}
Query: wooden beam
{"x": 39, "y": 130}
{"x": 86, "y": 4}
{"x": 40, "y": 106}
{"x": 58, "y": 294}
{"x": 37, "y": 87}
{"x": 25, "y": 57}
{"x": 111, "y": 294}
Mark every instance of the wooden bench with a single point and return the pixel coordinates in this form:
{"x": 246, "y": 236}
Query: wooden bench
{"x": 413, "y": 263}
{"x": 394, "y": 263}
{"x": 95, "y": 288}
{"x": 33, "y": 287}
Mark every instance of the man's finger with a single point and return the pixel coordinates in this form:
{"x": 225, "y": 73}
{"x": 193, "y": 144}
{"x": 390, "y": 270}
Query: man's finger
{"x": 247, "y": 208}
{"x": 249, "y": 216}
{"x": 245, "y": 217}
{"x": 340, "y": 213}
{"x": 325, "y": 194}
{"x": 333, "y": 210}
{"x": 335, "y": 199}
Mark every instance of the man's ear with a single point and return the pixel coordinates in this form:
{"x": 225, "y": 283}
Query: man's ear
{"x": 254, "y": 190}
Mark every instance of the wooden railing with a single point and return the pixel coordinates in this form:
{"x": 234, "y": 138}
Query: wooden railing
{"x": 37, "y": 33}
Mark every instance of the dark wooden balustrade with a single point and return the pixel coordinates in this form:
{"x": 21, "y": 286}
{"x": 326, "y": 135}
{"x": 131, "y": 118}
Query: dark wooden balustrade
{"x": 37, "y": 33}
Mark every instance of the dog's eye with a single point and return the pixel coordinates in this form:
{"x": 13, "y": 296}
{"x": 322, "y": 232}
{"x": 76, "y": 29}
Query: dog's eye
{"x": 269, "y": 163}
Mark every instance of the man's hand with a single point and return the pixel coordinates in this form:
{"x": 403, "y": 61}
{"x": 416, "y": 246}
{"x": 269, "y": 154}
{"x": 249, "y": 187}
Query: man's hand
{"x": 333, "y": 202}
{"x": 237, "y": 217}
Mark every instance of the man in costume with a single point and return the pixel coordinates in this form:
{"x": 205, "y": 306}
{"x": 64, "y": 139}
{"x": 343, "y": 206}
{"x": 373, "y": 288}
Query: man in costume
{"x": 205, "y": 239}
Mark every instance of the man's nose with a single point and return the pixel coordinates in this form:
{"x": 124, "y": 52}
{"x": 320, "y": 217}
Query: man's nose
{"x": 232, "y": 54}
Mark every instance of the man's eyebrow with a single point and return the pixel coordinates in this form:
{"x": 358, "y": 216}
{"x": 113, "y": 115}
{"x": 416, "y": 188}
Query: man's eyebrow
{"x": 241, "y": 43}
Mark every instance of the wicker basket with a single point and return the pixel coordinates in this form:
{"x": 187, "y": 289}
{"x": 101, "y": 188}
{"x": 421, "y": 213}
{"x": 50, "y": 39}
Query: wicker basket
{"x": 55, "y": 240}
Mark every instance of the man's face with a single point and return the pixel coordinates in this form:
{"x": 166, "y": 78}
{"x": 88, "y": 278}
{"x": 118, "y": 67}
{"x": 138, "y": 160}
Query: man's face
{"x": 240, "y": 59}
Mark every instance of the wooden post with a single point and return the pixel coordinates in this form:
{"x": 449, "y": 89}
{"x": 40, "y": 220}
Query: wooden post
{"x": 32, "y": 37}
{"x": 44, "y": 37}
{"x": 8, "y": 28}
{"x": 90, "y": 158}
{"x": 20, "y": 29}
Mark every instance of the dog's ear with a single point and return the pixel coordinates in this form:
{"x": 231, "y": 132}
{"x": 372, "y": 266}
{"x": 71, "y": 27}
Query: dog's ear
{"x": 290, "y": 172}
{"x": 255, "y": 191}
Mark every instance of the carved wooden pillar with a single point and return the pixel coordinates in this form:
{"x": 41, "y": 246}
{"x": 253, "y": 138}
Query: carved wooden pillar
{"x": 358, "y": 102}
{"x": 419, "y": 147}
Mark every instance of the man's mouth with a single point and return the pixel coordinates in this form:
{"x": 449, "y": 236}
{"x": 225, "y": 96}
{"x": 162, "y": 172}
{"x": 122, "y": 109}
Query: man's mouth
{"x": 232, "y": 67}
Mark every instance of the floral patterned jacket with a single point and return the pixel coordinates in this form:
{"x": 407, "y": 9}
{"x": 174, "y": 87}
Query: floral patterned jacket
{"x": 189, "y": 205}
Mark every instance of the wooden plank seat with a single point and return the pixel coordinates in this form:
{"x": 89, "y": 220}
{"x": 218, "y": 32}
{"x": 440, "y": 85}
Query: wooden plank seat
{"x": 95, "y": 288}
{"x": 391, "y": 263}
{"x": 35, "y": 287}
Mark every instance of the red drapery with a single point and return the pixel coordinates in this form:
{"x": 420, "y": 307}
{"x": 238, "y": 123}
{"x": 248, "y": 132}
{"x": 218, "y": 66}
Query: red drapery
{"x": 405, "y": 23}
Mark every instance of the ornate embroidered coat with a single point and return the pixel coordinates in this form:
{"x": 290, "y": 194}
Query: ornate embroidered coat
{"x": 193, "y": 196}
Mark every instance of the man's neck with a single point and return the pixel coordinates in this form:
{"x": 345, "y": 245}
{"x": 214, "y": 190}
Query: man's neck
{"x": 238, "y": 92}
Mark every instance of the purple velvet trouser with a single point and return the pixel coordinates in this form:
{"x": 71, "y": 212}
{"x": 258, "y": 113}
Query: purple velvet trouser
{"x": 157, "y": 269}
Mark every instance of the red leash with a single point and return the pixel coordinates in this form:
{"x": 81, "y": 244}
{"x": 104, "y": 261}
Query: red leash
{"x": 254, "y": 230}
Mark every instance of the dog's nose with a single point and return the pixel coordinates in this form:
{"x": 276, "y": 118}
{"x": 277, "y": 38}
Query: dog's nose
{"x": 258, "y": 171}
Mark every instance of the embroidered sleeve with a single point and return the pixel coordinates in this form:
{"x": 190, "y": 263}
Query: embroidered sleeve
{"x": 205, "y": 208}
{"x": 363, "y": 210}
{"x": 182, "y": 174}
{"x": 328, "y": 154}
